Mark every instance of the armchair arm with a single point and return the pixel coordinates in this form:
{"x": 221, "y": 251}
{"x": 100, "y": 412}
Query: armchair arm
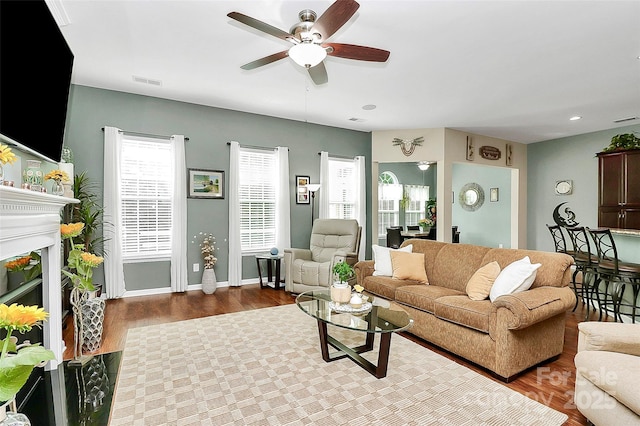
{"x": 291, "y": 254}
{"x": 532, "y": 306}
{"x": 297, "y": 253}
{"x": 609, "y": 336}
{"x": 364, "y": 269}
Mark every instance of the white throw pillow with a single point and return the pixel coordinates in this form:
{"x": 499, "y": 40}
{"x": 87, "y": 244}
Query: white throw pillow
{"x": 514, "y": 278}
{"x": 382, "y": 259}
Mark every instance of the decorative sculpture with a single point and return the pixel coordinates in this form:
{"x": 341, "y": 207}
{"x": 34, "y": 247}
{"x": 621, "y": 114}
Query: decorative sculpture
{"x": 408, "y": 145}
{"x": 569, "y": 222}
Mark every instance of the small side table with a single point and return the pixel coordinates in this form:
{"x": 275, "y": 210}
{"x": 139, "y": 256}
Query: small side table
{"x": 270, "y": 259}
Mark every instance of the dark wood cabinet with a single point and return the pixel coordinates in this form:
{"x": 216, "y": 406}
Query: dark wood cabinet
{"x": 619, "y": 189}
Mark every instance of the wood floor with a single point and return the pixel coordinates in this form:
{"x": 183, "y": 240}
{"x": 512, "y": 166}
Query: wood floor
{"x": 551, "y": 384}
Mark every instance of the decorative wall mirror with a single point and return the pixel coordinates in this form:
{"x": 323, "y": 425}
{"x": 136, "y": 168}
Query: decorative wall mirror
{"x": 471, "y": 197}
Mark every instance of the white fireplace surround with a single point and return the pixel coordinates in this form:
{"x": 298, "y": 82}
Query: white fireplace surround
{"x": 30, "y": 221}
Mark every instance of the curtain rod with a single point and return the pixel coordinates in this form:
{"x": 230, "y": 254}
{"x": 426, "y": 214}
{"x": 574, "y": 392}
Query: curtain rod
{"x": 339, "y": 156}
{"x": 265, "y": 148}
{"x": 146, "y": 134}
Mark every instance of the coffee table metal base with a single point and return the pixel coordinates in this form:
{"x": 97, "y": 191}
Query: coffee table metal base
{"x": 379, "y": 371}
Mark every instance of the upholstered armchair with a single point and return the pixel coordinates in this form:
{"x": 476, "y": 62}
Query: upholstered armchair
{"x": 332, "y": 241}
{"x": 608, "y": 373}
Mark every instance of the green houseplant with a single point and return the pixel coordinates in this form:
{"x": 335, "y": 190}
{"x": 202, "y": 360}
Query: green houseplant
{"x": 344, "y": 271}
{"x": 623, "y": 142}
{"x": 87, "y": 211}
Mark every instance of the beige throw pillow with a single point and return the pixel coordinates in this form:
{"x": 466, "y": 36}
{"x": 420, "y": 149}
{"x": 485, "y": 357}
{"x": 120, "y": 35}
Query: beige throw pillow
{"x": 479, "y": 285}
{"x": 408, "y": 266}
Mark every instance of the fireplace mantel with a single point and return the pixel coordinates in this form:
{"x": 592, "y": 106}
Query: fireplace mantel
{"x": 29, "y": 221}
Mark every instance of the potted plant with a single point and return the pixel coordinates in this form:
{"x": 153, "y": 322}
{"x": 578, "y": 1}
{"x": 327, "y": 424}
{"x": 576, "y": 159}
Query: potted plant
{"x": 341, "y": 291}
{"x": 88, "y": 310}
{"x": 623, "y": 142}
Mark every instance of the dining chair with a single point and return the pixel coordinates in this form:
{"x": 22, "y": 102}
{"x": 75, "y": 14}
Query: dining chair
{"x": 615, "y": 275}
{"x": 586, "y": 263}
{"x": 413, "y": 227}
{"x": 394, "y": 237}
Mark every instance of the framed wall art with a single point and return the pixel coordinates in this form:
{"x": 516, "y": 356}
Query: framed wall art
{"x": 205, "y": 183}
{"x": 302, "y": 192}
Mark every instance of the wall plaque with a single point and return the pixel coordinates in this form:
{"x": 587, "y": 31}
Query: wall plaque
{"x": 490, "y": 152}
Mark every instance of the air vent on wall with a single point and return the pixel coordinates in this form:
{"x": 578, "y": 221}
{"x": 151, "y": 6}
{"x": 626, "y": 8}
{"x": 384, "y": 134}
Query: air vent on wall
{"x": 144, "y": 80}
{"x": 622, "y": 120}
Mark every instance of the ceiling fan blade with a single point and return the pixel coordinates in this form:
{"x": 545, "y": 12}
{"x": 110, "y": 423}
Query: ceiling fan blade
{"x": 319, "y": 74}
{"x": 261, "y": 26}
{"x": 266, "y": 60}
{"x": 335, "y": 17}
{"x": 360, "y": 53}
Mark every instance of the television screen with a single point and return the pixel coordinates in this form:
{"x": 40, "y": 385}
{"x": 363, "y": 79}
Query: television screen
{"x": 35, "y": 77}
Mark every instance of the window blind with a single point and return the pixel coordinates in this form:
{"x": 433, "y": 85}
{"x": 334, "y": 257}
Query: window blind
{"x": 342, "y": 190}
{"x": 257, "y": 193}
{"x": 146, "y": 194}
{"x": 415, "y": 209}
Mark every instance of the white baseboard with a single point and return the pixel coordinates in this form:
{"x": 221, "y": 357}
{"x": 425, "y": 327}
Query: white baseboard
{"x": 190, "y": 287}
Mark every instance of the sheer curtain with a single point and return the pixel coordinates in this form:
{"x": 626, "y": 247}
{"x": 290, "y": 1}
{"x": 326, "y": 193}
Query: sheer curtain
{"x": 113, "y": 265}
{"x": 361, "y": 202}
{"x": 323, "y": 201}
{"x": 235, "y": 247}
{"x": 283, "y": 215}
{"x": 179, "y": 281}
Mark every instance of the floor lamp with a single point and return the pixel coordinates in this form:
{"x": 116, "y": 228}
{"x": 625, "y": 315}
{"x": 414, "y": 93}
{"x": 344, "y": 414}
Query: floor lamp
{"x": 313, "y": 188}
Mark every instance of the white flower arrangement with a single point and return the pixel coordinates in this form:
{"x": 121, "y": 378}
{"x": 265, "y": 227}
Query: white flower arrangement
{"x": 208, "y": 248}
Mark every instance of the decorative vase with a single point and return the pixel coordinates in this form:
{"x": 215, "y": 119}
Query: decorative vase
{"x": 92, "y": 323}
{"x": 57, "y": 188}
{"x": 209, "y": 282}
{"x": 356, "y": 301}
{"x": 10, "y": 418}
{"x": 340, "y": 292}
{"x": 32, "y": 175}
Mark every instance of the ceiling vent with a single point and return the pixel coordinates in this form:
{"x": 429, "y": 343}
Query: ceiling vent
{"x": 357, "y": 120}
{"x": 144, "y": 80}
{"x": 623, "y": 120}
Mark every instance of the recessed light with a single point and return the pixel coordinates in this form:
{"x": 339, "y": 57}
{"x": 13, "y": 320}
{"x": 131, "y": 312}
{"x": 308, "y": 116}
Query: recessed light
{"x": 575, "y": 117}
{"x": 369, "y": 107}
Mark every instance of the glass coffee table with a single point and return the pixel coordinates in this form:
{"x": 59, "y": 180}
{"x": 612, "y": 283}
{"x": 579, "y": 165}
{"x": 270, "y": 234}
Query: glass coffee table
{"x": 384, "y": 318}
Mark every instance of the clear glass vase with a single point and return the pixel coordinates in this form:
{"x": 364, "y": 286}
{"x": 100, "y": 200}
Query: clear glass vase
{"x": 57, "y": 188}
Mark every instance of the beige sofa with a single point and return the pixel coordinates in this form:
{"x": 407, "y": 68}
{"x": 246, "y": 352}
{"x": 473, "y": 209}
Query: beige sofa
{"x": 506, "y": 336}
{"x": 608, "y": 373}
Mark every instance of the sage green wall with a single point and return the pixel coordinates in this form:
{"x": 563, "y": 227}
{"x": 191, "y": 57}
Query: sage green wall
{"x": 490, "y": 225}
{"x": 570, "y": 158}
{"x": 209, "y": 129}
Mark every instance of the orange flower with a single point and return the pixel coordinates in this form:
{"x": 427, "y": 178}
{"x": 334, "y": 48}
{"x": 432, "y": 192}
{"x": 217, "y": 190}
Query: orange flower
{"x": 70, "y": 230}
{"x": 91, "y": 259}
{"x": 20, "y": 317}
{"x": 18, "y": 264}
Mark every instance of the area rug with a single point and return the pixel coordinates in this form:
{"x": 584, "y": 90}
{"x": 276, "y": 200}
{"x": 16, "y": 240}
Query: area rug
{"x": 264, "y": 367}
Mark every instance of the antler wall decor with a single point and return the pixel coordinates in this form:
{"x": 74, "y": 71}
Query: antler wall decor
{"x": 408, "y": 145}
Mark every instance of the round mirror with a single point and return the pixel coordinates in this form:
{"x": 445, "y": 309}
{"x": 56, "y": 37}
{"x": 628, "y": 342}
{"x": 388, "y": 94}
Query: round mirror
{"x": 471, "y": 197}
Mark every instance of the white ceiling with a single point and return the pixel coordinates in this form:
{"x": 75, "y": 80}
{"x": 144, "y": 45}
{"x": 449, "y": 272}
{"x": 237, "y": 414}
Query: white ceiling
{"x": 515, "y": 70}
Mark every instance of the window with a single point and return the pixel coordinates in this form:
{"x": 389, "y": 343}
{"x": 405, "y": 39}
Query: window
{"x": 146, "y": 192}
{"x": 415, "y": 207}
{"x": 257, "y": 192}
{"x": 342, "y": 189}
{"x": 389, "y": 195}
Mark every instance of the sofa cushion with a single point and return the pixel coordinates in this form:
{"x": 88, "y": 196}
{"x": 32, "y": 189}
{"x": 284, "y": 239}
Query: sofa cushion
{"x": 454, "y": 265}
{"x": 554, "y": 272}
{"x": 615, "y": 373}
{"x": 422, "y": 297}
{"x": 479, "y": 285}
{"x": 385, "y": 286}
{"x": 408, "y": 266}
{"x": 382, "y": 259}
{"x": 464, "y": 311}
{"x": 516, "y": 277}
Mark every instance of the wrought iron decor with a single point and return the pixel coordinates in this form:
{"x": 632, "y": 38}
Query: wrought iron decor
{"x": 569, "y": 222}
{"x": 408, "y": 145}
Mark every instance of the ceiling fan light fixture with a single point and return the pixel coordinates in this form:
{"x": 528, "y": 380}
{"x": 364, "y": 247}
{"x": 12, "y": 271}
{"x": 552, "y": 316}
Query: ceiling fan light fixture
{"x": 423, "y": 165}
{"x": 307, "y": 55}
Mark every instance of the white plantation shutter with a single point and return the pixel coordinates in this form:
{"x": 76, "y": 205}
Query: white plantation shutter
{"x": 416, "y": 207}
{"x": 146, "y": 193}
{"x": 342, "y": 189}
{"x": 257, "y": 193}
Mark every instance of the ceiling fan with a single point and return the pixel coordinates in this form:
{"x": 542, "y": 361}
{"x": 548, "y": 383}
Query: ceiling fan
{"x": 309, "y": 39}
